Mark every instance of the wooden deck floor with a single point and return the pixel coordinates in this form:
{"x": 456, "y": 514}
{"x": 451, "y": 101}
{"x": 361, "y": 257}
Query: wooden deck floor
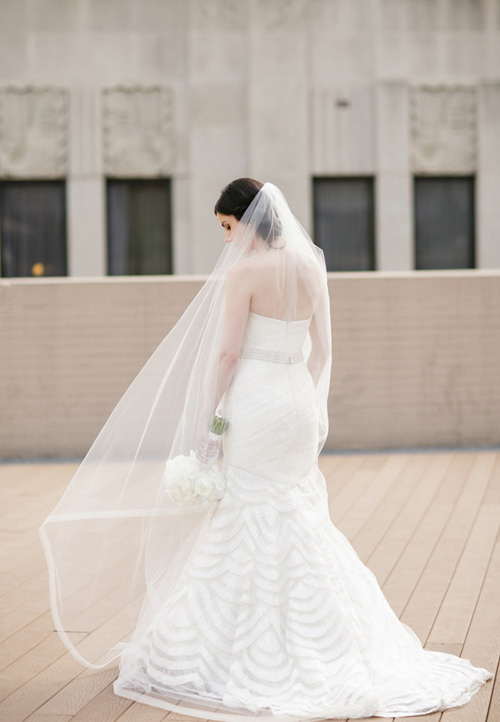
{"x": 427, "y": 524}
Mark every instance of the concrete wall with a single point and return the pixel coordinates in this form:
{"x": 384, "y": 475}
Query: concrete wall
{"x": 416, "y": 357}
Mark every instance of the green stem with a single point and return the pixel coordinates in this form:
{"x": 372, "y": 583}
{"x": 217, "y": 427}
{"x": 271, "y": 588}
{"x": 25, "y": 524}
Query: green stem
{"x": 219, "y": 425}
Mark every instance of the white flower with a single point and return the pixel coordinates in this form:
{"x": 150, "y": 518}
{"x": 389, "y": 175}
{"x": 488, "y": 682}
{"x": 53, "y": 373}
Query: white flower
{"x": 203, "y": 486}
{"x": 186, "y": 481}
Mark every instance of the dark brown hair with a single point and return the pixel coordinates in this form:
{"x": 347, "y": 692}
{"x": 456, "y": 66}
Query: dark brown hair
{"x": 235, "y": 199}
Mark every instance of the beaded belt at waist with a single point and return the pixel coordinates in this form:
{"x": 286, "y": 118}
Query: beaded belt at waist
{"x": 267, "y": 355}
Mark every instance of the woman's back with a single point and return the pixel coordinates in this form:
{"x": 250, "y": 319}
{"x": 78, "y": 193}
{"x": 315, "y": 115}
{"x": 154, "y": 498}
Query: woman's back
{"x": 278, "y": 280}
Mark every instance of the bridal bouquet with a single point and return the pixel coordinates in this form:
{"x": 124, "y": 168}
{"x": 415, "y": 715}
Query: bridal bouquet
{"x": 188, "y": 482}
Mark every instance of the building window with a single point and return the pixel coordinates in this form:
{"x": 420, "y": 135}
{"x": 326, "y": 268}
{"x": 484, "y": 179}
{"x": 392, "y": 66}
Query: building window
{"x": 139, "y": 227}
{"x": 33, "y": 228}
{"x": 344, "y": 222}
{"x": 444, "y": 222}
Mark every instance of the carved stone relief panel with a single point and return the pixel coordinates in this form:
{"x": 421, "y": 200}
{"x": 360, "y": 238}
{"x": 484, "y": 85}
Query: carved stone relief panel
{"x": 138, "y": 131}
{"x": 217, "y": 16}
{"x": 33, "y": 132}
{"x": 279, "y": 16}
{"x": 443, "y": 129}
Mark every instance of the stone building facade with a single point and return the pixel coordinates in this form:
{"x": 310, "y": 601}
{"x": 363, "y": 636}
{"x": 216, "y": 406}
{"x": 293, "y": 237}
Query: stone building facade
{"x": 198, "y": 92}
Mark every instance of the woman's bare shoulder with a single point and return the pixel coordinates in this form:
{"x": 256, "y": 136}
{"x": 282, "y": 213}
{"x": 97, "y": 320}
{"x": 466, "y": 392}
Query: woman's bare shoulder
{"x": 240, "y": 268}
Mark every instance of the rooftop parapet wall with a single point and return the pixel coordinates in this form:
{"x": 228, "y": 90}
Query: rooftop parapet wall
{"x": 416, "y": 357}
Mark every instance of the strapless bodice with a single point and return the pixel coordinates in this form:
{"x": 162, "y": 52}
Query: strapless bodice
{"x": 274, "y": 338}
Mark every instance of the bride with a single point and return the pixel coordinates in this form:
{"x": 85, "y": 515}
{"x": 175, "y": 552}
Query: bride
{"x": 255, "y": 604}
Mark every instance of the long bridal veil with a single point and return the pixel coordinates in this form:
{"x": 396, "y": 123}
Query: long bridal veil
{"x": 116, "y": 544}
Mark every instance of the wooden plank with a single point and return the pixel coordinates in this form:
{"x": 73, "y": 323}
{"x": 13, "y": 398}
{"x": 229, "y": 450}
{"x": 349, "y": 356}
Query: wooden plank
{"x": 423, "y": 605}
{"x": 19, "y": 535}
{"x": 37, "y": 717}
{"x": 79, "y": 691}
{"x": 493, "y": 714}
{"x": 25, "y": 639}
{"x": 455, "y": 613}
{"x": 30, "y": 697}
{"x": 339, "y": 478}
{"x": 30, "y": 664}
{"x": 396, "y": 539}
{"x": 33, "y": 607}
{"x": 381, "y": 511}
{"x": 17, "y": 594}
{"x": 482, "y": 645}
{"x": 352, "y": 488}
{"x": 404, "y": 576}
{"x": 36, "y": 491}
{"x": 380, "y": 484}
{"x": 105, "y": 707}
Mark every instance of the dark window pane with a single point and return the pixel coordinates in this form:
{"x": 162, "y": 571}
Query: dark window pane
{"x": 444, "y": 222}
{"x": 344, "y": 222}
{"x": 139, "y": 236}
{"x": 33, "y": 228}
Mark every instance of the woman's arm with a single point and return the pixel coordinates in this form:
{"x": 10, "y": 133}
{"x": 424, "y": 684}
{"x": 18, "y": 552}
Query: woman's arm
{"x": 238, "y": 297}
{"x": 317, "y": 357}
{"x": 237, "y": 302}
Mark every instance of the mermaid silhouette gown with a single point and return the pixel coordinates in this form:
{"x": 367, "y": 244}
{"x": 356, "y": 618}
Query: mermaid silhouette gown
{"x": 274, "y": 614}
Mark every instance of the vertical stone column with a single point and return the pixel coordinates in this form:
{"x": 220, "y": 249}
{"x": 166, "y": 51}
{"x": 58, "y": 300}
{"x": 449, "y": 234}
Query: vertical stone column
{"x": 216, "y": 103}
{"x": 86, "y": 212}
{"x": 488, "y": 176}
{"x": 279, "y": 101}
{"x": 393, "y": 191}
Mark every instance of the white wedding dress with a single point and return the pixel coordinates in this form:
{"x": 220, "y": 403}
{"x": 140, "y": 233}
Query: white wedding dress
{"x": 274, "y": 614}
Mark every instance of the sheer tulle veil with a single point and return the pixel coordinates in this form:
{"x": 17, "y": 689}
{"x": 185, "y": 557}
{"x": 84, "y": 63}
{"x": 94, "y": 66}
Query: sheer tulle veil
{"x": 116, "y": 544}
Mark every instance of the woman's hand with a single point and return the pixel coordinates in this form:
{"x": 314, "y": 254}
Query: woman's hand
{"x": 207, "y": 443}
{"x": 207, "y": 448}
